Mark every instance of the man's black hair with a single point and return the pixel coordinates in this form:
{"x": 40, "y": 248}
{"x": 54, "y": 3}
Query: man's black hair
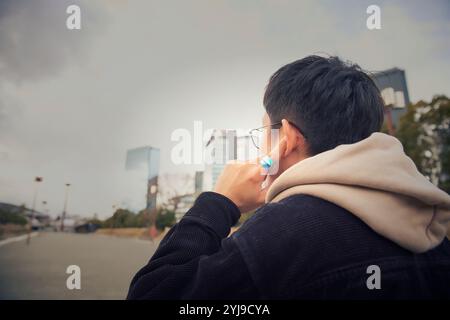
{"x": 333, "y": 102}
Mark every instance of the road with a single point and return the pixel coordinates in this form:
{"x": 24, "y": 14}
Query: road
{"x": 38, "y": 271}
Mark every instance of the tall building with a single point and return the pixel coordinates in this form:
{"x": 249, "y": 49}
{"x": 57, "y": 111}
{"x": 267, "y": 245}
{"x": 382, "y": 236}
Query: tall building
{"x": 394, "y": 90}
{"x": 146, "y": 158}
{"x": 223, "y": 146}
{"x": 198, "y": 183}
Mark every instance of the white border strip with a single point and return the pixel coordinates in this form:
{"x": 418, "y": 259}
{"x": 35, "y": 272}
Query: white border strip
{"x": 18, "y": 238}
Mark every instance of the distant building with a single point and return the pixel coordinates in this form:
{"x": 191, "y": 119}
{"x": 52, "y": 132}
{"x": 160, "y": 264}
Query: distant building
{"x": 223, "y": 146}
{"x": 198, "y": 183}
{"x": 183, "y": 204}
{"x": 394, "y": 90}
{"x": 38, "y": 219}
{"x": 70, "y": 223}
{"x": 220, "y": 147}
{"x": 146, "y": 158}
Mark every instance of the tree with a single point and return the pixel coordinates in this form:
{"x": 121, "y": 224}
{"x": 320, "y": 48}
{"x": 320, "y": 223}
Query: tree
{"x": 425, "y": 134}
{"x": 11, "y": 217}
{"x": 165, "y": 218}
{"x": 144, "y": 218}
{"x": 122, "y": 218}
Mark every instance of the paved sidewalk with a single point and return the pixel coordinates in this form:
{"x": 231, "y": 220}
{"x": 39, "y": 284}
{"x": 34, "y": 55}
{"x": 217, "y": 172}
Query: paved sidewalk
{"x": 38, "y": 271}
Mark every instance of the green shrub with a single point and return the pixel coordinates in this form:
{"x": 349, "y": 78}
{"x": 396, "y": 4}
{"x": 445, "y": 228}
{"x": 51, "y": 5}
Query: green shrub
{"x": 165, "y": 218}
{"x": 11, "y": 217}
{"x": 122, "y": 218}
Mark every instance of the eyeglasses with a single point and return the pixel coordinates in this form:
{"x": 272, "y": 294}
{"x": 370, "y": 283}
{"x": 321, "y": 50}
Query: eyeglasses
{"x": 255, "y": 134}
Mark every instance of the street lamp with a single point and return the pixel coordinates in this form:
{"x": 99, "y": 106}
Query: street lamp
{"x": 36, "y": 180}
{"x": 65, "y": 206}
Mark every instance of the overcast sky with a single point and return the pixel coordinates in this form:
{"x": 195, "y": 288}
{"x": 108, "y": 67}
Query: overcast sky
{"x": 72, "y": 102}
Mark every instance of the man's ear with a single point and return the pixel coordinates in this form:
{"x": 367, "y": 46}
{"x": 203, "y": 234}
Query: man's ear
{"x": 293, "y": 138}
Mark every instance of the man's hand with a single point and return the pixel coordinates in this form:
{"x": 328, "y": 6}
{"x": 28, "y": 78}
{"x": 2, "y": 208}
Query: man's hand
{"x": 241, "y": 182}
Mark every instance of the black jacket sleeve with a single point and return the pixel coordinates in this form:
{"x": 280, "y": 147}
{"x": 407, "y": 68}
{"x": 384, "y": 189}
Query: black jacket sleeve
{"x": 196, "y": 260}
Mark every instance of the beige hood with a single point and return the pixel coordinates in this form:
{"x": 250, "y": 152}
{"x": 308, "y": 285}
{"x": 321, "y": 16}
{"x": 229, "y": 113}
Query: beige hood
{"x": 378, "y": 183}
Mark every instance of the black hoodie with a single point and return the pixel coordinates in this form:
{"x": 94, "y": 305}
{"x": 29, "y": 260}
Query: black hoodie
{"x": 301, "y": 247}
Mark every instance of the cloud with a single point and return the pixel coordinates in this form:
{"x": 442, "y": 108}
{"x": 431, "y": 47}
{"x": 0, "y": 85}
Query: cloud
{"x": 35, "y": 45}
{"x": 3, "y": 155}
{"x": 72, "y": 103}
{"x": 35, "y": 42}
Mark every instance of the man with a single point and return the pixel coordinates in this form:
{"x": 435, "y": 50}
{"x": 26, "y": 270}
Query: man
{"x": 346, "y": 215}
